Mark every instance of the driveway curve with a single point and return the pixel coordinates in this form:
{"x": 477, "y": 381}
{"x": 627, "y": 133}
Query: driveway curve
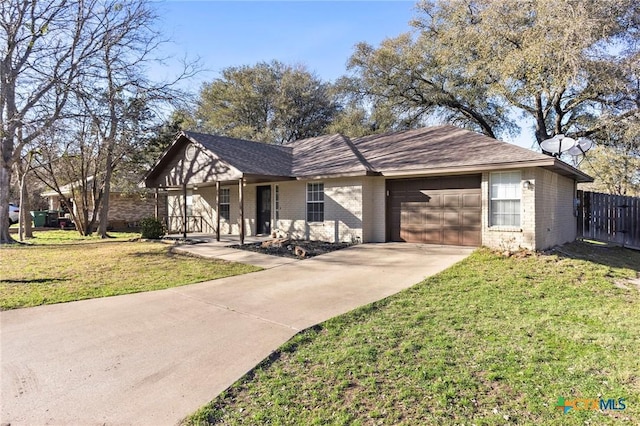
{"x": 156, "y": 357}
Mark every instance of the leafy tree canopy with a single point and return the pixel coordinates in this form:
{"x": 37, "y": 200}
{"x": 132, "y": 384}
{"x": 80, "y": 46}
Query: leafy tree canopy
{"x": 569, "y": 66}
{"x": 615, "y": 166}
{"x": 268, "y": 102}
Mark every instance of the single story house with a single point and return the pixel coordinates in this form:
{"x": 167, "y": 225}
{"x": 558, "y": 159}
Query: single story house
{"x": 436, "y": 185}
{"x": 126, "y": 208}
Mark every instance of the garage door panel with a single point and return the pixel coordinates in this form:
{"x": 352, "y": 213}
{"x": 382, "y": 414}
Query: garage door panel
{"x": 433, "y": 218}
{"x": 412, "y": 235}
{"x": 451, "y": 219}
{"x": 472, "y": 200}
{"x": 470, "y": 218}
{"x": 431, "y": 236}
{"x": 436, "y": 210}
{"x": 452, "y": 200}
{"x": 451, "y": 237}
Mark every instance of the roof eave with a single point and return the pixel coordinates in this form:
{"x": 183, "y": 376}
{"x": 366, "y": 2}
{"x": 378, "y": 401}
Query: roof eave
{"x": 359, "y": 173}
{"x": 468, "y": 168}
{"x": 565, "y": 169}
{"x": 551, "y": 163}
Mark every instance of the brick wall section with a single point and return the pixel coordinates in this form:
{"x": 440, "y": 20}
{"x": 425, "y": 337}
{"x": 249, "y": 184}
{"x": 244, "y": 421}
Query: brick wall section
{"x": 343, "y": 212}
{"x": 127, "y": 210}
{"x": 293, "y": 209}
{"x": 511, "y": 238}
{"x": 374, "y": 210}
{"x": 204, "y": 201}
{"x": 555, "y": 216}
{"x": 547, "y": 213}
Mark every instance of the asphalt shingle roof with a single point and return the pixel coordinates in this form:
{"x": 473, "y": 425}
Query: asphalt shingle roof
{"x": 326, "y": 155}
{"x": 249, "y": 157}
{"x": 438, "y": 147}
{"x": 431, "y": 148}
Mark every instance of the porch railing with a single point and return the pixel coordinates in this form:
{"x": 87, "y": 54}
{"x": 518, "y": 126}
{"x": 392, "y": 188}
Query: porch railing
{"x": 194, "y": 223}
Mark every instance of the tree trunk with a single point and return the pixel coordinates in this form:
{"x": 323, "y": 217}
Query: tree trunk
{"x": 5, "y": 181}
{"x": 104, "y": 208}
{"x": 25, "y": 214}
{"x": 25, "y": 230}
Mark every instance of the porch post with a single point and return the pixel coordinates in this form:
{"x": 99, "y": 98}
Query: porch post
{"x": 157, "y": 207}
{"x": 217, "y": 210}
{"x": 184, "y": 210}
{"x": 241, "y": 202}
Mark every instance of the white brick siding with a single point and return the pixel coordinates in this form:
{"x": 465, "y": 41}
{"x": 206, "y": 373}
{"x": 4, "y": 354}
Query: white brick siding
{"x": 342, "y": 211}
{"x": 504, "y": 237}
{"x": 355, "y": 210}
{"x": 374, "y": 210}
{"x": 546, "y": 213}
{"x": 555, "y": 219}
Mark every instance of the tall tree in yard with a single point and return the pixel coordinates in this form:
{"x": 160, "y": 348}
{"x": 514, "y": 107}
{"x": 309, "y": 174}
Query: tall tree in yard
{"x": 117, "y": 96}
{"x": 80, "y": 63}
{"x": 568, "y": 67}
{"x": 44, "y": 46}
{"x": 268, "y": 102}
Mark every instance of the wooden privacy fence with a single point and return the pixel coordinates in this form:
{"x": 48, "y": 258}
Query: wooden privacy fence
{"x": 609, "y": 218}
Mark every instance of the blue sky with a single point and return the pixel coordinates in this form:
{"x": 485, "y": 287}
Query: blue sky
{"x": 318, "y": 34}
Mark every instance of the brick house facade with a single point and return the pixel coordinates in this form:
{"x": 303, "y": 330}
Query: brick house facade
{"x": 440, "y": 185}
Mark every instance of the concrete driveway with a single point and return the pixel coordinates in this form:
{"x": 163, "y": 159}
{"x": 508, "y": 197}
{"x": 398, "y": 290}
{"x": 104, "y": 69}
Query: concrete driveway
{"x": 156, "y": 357}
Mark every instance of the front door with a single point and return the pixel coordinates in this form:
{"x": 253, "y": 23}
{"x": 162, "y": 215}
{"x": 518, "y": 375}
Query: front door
{"x": 263, "y": 201}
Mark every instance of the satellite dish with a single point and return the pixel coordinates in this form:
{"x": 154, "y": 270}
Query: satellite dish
{"x": 582, "y": 146}
{"x": 558, "y": 144}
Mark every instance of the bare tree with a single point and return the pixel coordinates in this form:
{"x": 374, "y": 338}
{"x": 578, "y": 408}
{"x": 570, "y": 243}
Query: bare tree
{"x": 45, "y": 45}
{"x": 81, "y": 61}
{"x": 124, "y": 105}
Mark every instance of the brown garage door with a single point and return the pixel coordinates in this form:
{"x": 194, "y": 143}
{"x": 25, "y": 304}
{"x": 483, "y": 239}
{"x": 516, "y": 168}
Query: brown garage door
{"x": 443, "y": 210}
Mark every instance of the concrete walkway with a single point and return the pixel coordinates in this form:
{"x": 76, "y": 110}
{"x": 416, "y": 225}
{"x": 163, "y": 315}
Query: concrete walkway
{"x": 156, "y": 357}
{"x": 212, "y": 249}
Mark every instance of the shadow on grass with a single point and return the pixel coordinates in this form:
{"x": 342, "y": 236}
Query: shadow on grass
{"x": 35, "y": 281}
{"x": 603, "y": 254}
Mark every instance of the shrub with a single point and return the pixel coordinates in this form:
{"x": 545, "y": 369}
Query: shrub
{"x": 151, "y": 228}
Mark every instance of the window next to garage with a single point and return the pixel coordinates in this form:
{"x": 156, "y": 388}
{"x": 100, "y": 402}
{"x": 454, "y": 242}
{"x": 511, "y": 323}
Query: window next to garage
{"x": 225, "y": 203}
{"x": 315, "y": 202}
{"x": 505, "y": 199}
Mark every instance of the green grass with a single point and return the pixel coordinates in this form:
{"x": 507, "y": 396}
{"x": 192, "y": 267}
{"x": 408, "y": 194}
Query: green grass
{"x": 490, "y": 341}
{"x": 63, "y": 267}
{"x": 73, "y": 237}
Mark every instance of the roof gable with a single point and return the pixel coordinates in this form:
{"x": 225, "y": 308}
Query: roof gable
{"x": 247, "y": 156}
{"x": 176, "y": 168}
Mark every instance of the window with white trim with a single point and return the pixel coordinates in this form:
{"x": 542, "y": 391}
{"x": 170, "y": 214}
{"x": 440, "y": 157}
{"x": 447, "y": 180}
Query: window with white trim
{"x": 315, "y": 202}
{"x": 505, "y": 196}
{"x": 225, "y": 203}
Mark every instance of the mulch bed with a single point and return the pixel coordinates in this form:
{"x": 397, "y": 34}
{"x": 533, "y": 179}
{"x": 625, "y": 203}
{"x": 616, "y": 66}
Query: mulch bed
{"x": 311, "y": 248}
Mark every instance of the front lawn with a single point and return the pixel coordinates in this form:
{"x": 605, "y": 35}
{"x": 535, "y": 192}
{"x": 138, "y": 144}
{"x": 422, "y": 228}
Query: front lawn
{"x": 63, "y": 267}
{"x": 490, "y": 341}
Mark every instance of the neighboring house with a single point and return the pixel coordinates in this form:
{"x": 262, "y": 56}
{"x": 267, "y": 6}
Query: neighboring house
{"x": 126, "y": 209}
{"x": 437, "y": 185}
